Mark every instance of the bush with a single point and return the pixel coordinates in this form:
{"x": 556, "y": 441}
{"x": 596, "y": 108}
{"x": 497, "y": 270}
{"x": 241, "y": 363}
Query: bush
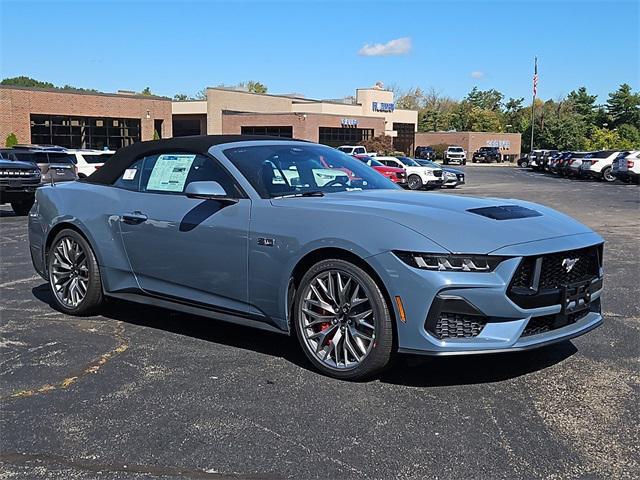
{"x": 439, "y": 149}
{"x": 11, "y": 140}
{"x": 381, "y": 144}
{"x": 156, "y": 136}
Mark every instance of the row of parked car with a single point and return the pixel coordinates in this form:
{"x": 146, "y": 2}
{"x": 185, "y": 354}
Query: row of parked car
{"x": 605, "y": 165}
{"x": 413, "y": 173}
{"x": 23, "y": 168}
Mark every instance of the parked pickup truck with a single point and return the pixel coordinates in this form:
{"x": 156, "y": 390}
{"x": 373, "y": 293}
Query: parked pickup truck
{"x": 455, "y": 154}
{"x": 487, "y": 155}
{"x": 353, "y": 149}
{"x": 18, "y": 182}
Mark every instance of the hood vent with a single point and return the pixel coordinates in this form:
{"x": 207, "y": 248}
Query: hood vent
{"x": 505, "y": 212}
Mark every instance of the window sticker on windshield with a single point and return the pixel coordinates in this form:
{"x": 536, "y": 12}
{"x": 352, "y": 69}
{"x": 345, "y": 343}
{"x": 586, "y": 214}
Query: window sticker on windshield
{"x": 170, "y": 173}
{"x": 129, "y": 174}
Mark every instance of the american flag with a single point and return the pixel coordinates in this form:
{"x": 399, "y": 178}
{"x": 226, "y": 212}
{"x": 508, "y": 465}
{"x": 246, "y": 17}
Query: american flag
{"x": 535, "y": 77}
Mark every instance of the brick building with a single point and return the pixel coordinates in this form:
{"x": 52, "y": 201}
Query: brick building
{"x": 82, "y": 119}
{"x": 349, "y": 121}
{"x": 508, "y": 143}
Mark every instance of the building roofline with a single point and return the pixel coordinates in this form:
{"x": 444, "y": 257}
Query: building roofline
{"x": 237, "y": 112}
{"x": 81, "y": 92}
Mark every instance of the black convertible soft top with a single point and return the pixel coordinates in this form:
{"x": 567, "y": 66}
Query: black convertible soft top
{"x": 124, "y": 157}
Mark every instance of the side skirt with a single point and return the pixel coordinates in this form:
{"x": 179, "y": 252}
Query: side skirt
{"x": 203, "y": 311}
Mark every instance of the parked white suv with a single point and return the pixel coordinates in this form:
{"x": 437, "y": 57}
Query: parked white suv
{"x": 88, "y": 161}
{"x": 455, "y": 154}
{"x": 598, "y": 165}
{"x": 417, "y": 176}
{"x": 626, "y": 167}
{"x": 353, "y": 149}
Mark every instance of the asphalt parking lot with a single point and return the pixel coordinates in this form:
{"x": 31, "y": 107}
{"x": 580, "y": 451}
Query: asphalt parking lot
{"x": 146, "y": 393}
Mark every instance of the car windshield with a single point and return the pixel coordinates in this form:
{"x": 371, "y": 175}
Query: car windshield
{"x": 345, "y": 149}
{"x": 100, "y": 158}
{"x": 428, "y": 163}
{"x": 370, "y": 161}
{"x": 408, "y": 161}
{"x": 455, "y": 149}
{"x": 283, "y": 169}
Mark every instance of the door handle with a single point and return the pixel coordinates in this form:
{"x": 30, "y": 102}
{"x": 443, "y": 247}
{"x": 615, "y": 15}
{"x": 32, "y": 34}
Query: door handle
{"x": 134, "y": 218}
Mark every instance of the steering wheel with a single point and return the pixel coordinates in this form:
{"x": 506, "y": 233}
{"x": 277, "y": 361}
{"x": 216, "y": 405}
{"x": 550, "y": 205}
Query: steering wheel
{"x": 342, "y": 181}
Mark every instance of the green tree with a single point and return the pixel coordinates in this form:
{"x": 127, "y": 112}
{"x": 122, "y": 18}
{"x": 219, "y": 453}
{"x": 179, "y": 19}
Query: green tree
{"x": 582, "y": 103}
{"x": 485, "y": 99}
{"x": 483, "y": 120}
{"x": 146, "y": 91}
{"x": 630, "y": 134}
{"x": 256, "y": 87}
{"x": 181, "y": 97}
{"x": 624, "y": 106}
{"x": 23, "y": 81}
{"x": 11, "y": 140}
{"x": 201, "y": 94}
{"x": 605, "y": 139}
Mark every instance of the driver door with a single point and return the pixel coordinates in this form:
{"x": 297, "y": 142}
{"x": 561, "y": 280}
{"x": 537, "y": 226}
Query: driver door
{"x": 184, "y": 248}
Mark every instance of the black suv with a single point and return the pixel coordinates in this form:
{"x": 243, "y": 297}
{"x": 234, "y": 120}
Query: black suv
{"x": 487, "y": 155}
{"x": 425, "y": 153}
{"x": 18, "y": 182}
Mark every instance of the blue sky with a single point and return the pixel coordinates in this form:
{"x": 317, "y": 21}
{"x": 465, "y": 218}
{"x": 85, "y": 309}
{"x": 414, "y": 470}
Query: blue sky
{"x": 312, "y": 47}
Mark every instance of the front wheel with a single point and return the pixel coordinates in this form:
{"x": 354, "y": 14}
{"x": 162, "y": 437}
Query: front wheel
{"x": 414, "y": 182}
{"x": 74, "y": 275}
{"x": 342, "y": 321}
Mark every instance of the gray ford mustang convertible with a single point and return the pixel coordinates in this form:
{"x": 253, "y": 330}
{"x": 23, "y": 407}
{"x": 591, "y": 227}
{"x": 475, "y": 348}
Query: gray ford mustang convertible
{"x": 301, "y": 239}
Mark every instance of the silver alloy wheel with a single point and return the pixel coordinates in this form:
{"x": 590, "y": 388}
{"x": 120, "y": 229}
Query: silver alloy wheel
{"x": 337, "y": 320}
{"x": 69, "y": 272}
{"x": 608, "y": 175}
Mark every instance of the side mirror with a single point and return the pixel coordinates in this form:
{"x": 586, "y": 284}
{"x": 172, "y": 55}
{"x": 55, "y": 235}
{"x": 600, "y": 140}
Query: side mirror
{"x": 208, "y": 191}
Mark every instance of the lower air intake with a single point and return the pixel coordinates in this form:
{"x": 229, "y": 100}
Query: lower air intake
{"x": 455, "y": 325}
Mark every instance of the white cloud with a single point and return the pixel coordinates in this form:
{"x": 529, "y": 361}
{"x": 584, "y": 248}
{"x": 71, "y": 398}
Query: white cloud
{"x": 399, "y": 46}
{"x": 477, "y": 74}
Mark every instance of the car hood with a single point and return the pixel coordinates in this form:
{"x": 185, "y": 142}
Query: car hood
{"x": 446, "y": 219}
{"x": 17, "y": 164}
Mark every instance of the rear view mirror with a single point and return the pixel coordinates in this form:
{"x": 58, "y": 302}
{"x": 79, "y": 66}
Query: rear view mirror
{"x": 208, "y": 190}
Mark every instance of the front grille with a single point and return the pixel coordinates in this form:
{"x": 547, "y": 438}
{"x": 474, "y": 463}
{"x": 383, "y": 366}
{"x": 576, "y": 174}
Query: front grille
{"x": 553, "y": 274}
{"x": 437, "y": 173}
{"x": 547, "y": 323}
{"x": 455, "y": 325}
{"x": 18, "y": 173}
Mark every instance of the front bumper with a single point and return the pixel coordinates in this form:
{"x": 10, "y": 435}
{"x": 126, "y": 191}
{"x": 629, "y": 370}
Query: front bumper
{"x": 508, "y": 327}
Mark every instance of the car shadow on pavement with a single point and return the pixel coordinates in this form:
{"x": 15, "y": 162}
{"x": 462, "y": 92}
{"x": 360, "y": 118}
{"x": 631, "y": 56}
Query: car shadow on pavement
{"x": 406, "y": 370}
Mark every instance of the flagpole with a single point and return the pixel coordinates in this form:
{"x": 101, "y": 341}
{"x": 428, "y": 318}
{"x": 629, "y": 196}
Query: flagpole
{"x": 533, "y": 102}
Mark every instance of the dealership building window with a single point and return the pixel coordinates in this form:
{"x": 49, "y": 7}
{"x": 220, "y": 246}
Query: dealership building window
{"x": 270, "y": 131}
{"x": 406, "y": 137}
{"x": 335, "y": 137}
{"x": 84, "y": 132}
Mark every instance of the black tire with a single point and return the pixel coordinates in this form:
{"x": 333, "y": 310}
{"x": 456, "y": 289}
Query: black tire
{"x": 379, "y": 355}
{"x": 414, "y": 182}
{"x": 523, "y": 164}
{"x": 81, "y": 175}
{"x": 607, "y": 176}
{"x": 22, "y": 207}
{"x": 93, "y": 297}
{"x": 450, "y": 186}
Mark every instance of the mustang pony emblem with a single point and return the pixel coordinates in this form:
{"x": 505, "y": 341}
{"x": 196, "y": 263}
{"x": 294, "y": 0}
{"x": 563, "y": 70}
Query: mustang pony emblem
{"x": 569, "y": 263}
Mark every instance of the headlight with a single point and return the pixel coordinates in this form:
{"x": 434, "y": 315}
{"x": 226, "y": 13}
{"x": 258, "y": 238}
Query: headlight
{"x": 450, "y": 263}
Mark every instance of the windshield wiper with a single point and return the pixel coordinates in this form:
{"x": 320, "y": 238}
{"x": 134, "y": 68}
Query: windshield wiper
{"x": 312, "y": 193}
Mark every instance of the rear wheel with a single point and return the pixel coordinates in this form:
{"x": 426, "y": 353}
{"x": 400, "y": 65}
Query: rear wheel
{"x": 342, "y": 321}
{"x": 414, "y": 182}
{"x": 523, "y": 164}
{"x": 74, "y": 275}
{"x": 607, "y": 175}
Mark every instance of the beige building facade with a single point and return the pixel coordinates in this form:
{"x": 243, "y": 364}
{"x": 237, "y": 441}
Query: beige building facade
{"x": 369, "y": 114}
